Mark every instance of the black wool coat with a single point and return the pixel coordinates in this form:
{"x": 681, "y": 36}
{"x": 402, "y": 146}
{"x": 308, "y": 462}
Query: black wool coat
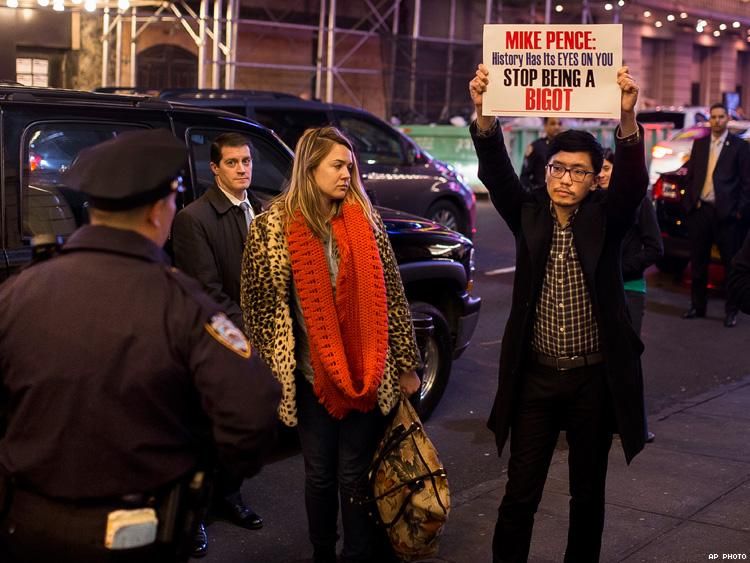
{"x": 208, "y": 238}
{"x": 600, "y": 225}
{"x": 739, "y": 278}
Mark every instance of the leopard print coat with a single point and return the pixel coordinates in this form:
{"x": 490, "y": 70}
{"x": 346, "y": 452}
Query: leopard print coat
{"x": 265, "y": 296}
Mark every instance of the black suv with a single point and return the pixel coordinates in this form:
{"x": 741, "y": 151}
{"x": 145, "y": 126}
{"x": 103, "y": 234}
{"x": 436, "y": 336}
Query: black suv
{"x": 394, "y": 168}
{"x": 42, "y": 131}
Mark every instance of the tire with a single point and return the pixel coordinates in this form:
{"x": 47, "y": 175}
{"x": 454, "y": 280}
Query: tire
{"x": 447, "y": 214}
{"x": 438, "y": 357}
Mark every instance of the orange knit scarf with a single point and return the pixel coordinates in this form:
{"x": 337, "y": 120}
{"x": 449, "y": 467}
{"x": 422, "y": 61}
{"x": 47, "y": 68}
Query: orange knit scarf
{"x": 348, "y": 333}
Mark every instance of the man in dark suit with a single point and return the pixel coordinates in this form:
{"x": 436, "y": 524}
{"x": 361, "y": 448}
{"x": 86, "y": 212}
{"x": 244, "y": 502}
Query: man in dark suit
{"x": 208, "y": 239}
{"x": 570, "y": 358}
{"x": 716, "y": 200}
{"x": 534, "y": 169}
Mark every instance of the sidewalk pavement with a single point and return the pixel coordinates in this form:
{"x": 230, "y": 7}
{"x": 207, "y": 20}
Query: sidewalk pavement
{"x": 684, "y": 499}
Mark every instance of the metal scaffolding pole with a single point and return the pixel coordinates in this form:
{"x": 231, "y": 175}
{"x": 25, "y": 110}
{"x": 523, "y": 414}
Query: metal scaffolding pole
{"x": 230, "y": 68}
{"x": 330, "y": 54}
{"x": 414, "y": 48}
{"x": 449, "y": 71}
{"x": 321, "y": 47}
{"x": 105, "y": 48}
{"x": 548, "y": 11}
{"x": 202, "y": 44}
{"x": 133, "y": 37}
{"x": 118, "y": 48}
{"x": 394, "y": 50}
{"x": 216, "y": 51}
{"x": 488, "y": 11}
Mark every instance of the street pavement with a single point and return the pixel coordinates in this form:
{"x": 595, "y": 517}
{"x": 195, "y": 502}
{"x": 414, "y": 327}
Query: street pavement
{"x": 684, "y": 499}
{"x": 685, "y": 496}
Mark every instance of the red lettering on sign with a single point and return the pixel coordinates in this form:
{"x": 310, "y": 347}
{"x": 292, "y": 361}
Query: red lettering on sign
{"x": 523, "y": 39}
{"x": 569, "y": 40}
{"x": 548, "y": 99}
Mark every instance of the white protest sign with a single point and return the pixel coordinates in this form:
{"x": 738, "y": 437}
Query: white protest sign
{"x": 553, "y": 70}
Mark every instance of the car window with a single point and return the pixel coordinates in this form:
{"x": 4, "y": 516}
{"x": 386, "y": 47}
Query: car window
{"x": 289, "y": 124}
{"x": 374, "y": 143}
{"x": 271, "y": 166}
{"x": 49, "y": 148}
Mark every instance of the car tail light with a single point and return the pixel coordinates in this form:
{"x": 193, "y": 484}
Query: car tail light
{"x": 664, "y": 189}
{"x": 34, "y": 161}
{"x": 659, "y": 151}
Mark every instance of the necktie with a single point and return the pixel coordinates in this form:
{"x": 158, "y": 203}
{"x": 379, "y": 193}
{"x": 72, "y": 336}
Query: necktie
{"x": 707, "y": 194}
{"x": 245, "y": 206}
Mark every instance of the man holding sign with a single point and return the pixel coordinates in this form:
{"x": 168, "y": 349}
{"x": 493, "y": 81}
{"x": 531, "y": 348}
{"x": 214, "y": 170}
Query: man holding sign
{"x": 570, "y": 358}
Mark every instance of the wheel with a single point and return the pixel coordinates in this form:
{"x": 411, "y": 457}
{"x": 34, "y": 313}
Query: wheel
{"x": 447, "y": 214}
{"x": 437, "y": 356}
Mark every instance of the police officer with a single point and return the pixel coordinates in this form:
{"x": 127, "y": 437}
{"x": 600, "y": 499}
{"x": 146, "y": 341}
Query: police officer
{"x": 533, "y": 172}
{"x": 120, "y": 380}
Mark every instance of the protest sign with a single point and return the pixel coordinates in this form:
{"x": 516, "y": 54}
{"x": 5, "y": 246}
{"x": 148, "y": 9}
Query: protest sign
{"x": 553, "y": 70}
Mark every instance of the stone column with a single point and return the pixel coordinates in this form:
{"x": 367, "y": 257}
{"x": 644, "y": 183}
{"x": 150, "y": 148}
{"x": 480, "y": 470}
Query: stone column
{"x": 723, "y": 69}
{"x": 678, "y": 58}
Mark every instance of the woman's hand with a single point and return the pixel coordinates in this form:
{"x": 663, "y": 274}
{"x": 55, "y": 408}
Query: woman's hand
{"x": 409, "y": 382}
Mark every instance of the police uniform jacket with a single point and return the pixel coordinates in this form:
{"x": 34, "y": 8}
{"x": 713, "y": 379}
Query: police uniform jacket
{"x": 113, "y": 369}
{"x": 602, "y": 220}
{"x": 533, "y": 170}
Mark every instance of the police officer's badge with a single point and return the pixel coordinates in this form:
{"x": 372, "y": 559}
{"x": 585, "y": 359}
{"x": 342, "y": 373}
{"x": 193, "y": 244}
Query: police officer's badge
{"x": 225, "y": 331}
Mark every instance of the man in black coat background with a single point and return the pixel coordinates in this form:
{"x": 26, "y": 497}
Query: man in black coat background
{"x": 533, "y": 171}
{"x": 570, "y": 358}
{"x": 208, "y": 239}
{"x": 717, "y": 200}
{"x": 739, "y": 279}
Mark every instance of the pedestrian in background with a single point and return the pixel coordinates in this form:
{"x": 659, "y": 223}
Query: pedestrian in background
{"x": 716, "y": 201}
{"x": 121, "y": 382}
{"x": 208, "y": 239}
{"x": 533, "y": 171}
{"x": 324, "y": 304}
{"x": 570, "y": 359}
{"x": 641, "y": 248}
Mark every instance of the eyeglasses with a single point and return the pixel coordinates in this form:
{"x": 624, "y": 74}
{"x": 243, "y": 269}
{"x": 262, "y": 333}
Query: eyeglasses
{"x": 576, "y": 174}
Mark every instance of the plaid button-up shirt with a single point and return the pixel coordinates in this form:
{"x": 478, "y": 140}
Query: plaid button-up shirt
{"x": 564, "y": 323}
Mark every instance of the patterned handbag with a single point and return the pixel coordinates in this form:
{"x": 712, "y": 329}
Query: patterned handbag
{"x": 410, "y": 486}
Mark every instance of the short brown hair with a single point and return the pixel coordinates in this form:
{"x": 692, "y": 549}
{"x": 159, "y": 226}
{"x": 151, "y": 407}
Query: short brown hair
{"x": 228, "y": 140}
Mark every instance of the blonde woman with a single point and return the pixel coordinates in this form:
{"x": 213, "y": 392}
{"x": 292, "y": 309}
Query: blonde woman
{"x": 325, "y": 308}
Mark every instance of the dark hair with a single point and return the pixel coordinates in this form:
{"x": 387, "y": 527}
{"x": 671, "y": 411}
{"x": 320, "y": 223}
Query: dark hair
{"x": 609, "y": 155}
{"x": 719, "y": 105}
{"x": 574, "y": 140}
{"x": 228, "y": 140}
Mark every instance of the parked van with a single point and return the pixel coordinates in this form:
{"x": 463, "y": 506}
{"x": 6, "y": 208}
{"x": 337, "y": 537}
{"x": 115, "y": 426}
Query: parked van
{"x": 43, "y": 130}
{"x": 395, "y": 169}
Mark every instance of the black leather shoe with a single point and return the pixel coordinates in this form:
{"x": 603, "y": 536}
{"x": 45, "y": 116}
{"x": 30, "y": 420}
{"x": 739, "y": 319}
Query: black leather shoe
{"x": 731, "y": 319}
{"x": 200, "y": 542}
{"x": 694, "y": 313}
{"x": 650, "y": 437}
{"x": 240, "y": 514}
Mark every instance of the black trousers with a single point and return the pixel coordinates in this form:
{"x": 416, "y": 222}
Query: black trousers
{"x": 704, "y": 229}
{"x": 575, "y": 400}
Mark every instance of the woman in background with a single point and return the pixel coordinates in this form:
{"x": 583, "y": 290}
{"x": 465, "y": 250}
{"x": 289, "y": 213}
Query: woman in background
{"x": 641, "y": 247}
{"x": 325, "y": 308}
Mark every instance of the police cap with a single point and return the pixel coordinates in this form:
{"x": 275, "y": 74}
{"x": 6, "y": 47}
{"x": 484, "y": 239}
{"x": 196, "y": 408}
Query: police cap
{"x": 133, "y": 169}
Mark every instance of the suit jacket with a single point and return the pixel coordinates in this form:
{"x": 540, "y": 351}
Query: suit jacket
{"x": 601, "y": 223}
{"x": 208, "y": 237}
{"x": 731, "y": 176}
